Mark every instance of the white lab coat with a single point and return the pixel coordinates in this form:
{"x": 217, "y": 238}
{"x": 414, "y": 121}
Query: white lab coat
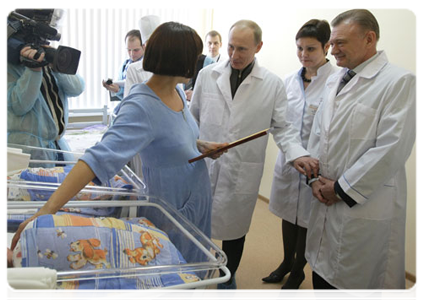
{"x": 363, "y": 138}
{"x": 135, "y": 74}
{"x": 259, "y": 103}
{"x": 290, "y": 196}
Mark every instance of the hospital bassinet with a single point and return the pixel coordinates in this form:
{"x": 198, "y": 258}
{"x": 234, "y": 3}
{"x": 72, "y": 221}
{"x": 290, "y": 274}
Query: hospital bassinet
{"x": 126, "y": 203}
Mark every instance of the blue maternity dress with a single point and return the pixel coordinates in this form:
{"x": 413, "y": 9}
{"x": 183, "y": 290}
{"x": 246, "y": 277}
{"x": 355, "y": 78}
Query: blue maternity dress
{"x": 166, "y": 140}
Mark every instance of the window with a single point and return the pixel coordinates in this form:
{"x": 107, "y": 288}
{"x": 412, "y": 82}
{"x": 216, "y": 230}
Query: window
{"x": 99, "y": 34}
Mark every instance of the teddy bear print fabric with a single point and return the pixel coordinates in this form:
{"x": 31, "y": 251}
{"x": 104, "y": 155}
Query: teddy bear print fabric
{"x": 69, "y": 242}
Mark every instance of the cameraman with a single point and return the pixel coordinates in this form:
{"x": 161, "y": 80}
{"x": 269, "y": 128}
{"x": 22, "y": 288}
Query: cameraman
{"x": 37, "y": 105}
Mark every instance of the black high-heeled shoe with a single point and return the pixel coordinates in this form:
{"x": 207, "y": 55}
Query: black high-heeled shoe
{"x": 276, "y": 276}
{"x": 294, "y": 281}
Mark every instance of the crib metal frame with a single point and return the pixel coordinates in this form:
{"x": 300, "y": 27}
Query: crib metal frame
{"x": 217, "y": 258}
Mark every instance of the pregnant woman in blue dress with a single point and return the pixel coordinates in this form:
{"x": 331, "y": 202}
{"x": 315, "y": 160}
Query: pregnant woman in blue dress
{"x": 155, "y": 122}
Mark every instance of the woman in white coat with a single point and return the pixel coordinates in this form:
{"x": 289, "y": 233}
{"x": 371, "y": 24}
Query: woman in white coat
{"x": 290, "y": 196}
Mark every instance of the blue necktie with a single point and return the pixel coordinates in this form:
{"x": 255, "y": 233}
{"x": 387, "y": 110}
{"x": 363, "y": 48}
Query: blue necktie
{"x": 347, "y": 77}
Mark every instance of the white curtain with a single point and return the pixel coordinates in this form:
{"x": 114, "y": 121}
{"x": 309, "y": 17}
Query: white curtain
{"x": 100, "y": 35}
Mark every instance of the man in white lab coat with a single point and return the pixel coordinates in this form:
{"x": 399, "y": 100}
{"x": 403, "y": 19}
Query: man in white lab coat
{"x": 136, "y": 73}
{"x": 231, "y": 100}
{"x": 362, "y": 135}
{"x": 135, "y": 53}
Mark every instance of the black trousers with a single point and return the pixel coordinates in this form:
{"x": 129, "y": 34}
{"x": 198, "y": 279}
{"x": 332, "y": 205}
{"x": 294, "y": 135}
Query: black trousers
{"x": 324, "y": 291}
{"x": 233, "y": 250}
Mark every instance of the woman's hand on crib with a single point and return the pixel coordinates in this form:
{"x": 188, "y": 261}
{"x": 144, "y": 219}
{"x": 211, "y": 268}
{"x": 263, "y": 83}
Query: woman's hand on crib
{"x": 21, "y": 227}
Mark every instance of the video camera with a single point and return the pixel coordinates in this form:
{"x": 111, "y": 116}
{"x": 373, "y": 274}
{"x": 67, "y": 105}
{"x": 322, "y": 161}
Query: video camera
{"x": 35, "y": 27}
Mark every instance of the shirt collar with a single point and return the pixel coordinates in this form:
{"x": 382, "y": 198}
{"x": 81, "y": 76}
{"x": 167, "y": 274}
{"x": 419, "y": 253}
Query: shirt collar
{"x": 363, "y": 65}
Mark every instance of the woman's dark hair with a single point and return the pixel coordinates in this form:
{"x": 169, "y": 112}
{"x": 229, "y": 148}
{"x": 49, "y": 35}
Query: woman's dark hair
{"x": 173, "y": 50}
{"x": 318, "y": 29}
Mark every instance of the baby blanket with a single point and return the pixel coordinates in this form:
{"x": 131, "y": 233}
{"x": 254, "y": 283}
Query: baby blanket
{"x": 69, "y": 242}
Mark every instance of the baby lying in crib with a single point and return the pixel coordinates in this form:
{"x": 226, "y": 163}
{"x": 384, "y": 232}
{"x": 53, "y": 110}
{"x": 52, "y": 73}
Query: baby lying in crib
{"x": 21, "y": 192}
{"x": 56, "y": 175}
{"x": 69, "y": 242}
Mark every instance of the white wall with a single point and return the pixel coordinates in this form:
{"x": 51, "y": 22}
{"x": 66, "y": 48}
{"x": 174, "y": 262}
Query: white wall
{"x": 398, "y": 39}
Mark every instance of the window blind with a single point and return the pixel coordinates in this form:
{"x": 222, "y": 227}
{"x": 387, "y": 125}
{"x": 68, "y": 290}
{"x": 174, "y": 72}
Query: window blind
{"x": 100, "y": 35}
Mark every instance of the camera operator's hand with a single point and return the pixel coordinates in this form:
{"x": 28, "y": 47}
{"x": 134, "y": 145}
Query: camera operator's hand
{"x": 30, "y": 53}
{"x": 111, "y": 87}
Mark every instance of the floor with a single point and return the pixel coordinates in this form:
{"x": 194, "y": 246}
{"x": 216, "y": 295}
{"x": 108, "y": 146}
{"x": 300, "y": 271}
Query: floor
{"x": 263, "y": 252}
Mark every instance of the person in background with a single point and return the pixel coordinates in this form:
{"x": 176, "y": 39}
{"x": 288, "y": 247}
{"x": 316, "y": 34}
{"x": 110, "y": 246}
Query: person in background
{"x": 203, "y": 61}
{"x": 155, "y": 122}
{"x": 135, "y": 53}
{"x": 363, "y": 134}
{"x": 233, "y": 99}
{"x": 37, "y": 102}
{"x": 136, "y": 73}
{"x": 214, "y": 43}
{"x": 290, "y": 195}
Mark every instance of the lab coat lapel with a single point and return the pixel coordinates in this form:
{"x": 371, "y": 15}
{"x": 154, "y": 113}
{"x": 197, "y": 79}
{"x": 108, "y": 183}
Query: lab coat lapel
{"x": 223, "y": 82}
{"x": 256, "y": 73}
{"x": 369, "y": 71}
{"x": 349, "y": 86}
{"x": 327, "y": 114}
{"x": 332, "y": 85}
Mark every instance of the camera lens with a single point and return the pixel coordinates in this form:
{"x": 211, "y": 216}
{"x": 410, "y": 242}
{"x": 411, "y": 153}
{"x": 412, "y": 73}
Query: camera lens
{"x": 64, "y": 59}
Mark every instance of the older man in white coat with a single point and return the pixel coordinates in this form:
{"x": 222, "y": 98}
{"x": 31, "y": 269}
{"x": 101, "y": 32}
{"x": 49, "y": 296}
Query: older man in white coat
{"x": 362, "y": 134}
{"x": 231, "y": 100}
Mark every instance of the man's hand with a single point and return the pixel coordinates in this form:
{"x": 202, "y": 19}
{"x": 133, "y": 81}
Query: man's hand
{"x": 188, "y": 94}
{"x": 30, "y": 53}
{"x": 111, "y": 87}
{"x": 205, "y": 147}
{"x": 316, "y": 189}
{"x": 328, "y": 191}
{"x": 307, "y": 166}
{"x": 324, "y": 191}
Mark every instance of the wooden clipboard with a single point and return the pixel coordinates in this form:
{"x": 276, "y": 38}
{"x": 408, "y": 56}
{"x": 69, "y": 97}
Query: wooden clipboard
{"x": 231, "y": 145}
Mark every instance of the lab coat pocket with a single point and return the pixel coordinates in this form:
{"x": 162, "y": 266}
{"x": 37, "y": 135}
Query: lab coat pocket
{"x": 280, "y": 165}
{"x": 363, "y": 122}
{"x": 249, "y": 178}
{"x": 213, "y": 109}
{"x": 379, "y": 207}
{"x": 367, "y": 240}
